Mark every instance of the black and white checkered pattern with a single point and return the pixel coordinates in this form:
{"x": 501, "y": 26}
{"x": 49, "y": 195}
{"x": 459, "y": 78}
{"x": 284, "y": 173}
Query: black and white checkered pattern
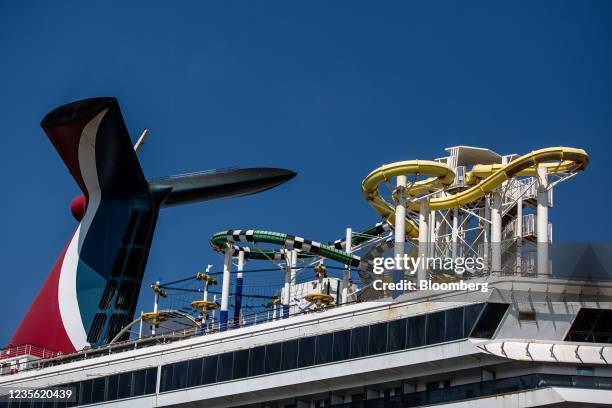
{"x": 380, "y": 228}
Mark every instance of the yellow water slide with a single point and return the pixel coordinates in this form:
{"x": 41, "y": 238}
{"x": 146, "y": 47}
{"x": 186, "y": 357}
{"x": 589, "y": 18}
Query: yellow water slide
{"x": 431, "y": 176}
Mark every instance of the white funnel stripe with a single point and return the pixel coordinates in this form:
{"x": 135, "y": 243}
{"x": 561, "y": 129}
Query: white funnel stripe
{"x": 67, "y": 291}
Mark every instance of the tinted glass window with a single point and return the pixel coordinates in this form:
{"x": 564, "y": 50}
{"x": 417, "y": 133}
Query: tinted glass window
{"x": 151, "y": 380}
{"x": 112, "y": 383}
{"x": 209, "y": 375}
{"x": 453, "y": 324}
{"x": 397, "y": 335}
{"x": 179, "y": 375}
{"x": 165, "y": 382}
{"x": 324, "y": 348}
{"x": 98, "y": 387}
{"x": 125, "y": 385}
{"x": 378, "y": 338}
{"x": 273, "y": 357}
{"x": 289, "y": 353}
{"x": 241, "y": 364}
{"x": 139, "y": 383}
{"x": 359, "y": 341}
{"x": 435, "y": 328}
{"x": 341, "y": 345}
{"x": 194, "y": 367}
{"x": 257, "y": 361}
{"x": 85, "y": 392}
{"x": 470, "y": 316}
{"x": 416, "y": 331}
{"x": 489, "y": 320}
{"x": 224, "y": 367}
{"x": 306, "y": 352}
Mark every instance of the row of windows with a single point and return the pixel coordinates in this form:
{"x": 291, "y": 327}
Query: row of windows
{"x": 478, "y": 320}
{"x": 98, "y": 390}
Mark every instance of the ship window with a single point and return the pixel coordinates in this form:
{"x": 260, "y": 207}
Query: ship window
{"x": 435, "y": 328}
{"x": 209, "y": 375}
{"x": 378, "y": 338}
{"x": 179, "y": 375}
{"x": 139, "y": 383}
{"x": 257, "y": 361}
{"x": 119, "y": 260}
{"x": 224, "y": 367}
{"x": 107, "y": 296}
{"x": 306, "y": 352}
{"x": 165, "y": 382}
{"x": 470, "y": 316}
{"x": 85, "y": 392}
{"x": 416, "y": 331}
{"x": 195, "y": 372}
{"x": 111, "y": 387}
{"x": 359, "y": 341}
{"x": 241, "y": 363}
{"x": 151, "y": 382}
{"x": 290, "y": 352}
{"x": 323, "y": 351}
{"x": 342, "y": 345}
{"x": 273, "y": 357}
{"x": 125, "y": 385}
{"x": 397, "y": 335}
{"x": 489, "y": 320}
{"x": 142, "y": 232}
{"x": 453, "y": 324}
{"x": 96, "y": 327}
{"x": 591, "y": 325}
{"x": 98, "y": 387}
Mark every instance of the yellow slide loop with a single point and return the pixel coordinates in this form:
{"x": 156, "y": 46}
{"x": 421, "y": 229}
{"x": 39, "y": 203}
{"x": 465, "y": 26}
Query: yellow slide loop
{"x": 438, "y": 176}
{"x": 483, "y": 178}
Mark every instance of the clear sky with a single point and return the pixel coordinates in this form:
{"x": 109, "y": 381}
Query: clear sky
{"x": 328, "y": 89}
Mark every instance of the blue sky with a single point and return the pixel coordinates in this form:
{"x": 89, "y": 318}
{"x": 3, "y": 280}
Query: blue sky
{"x": 328, "y": 89}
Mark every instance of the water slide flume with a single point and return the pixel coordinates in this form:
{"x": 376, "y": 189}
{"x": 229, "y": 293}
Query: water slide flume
{"x": 485, "y": 179}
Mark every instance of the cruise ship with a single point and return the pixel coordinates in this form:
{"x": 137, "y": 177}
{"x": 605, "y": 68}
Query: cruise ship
{"x": 529, "y": 325}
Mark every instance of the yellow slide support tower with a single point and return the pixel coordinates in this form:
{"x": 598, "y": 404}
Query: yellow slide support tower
{"x": 483, "y": 178}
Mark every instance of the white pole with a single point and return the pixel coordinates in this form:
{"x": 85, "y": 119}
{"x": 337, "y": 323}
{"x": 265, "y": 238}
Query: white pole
{"x": 287, "y": 289}
{"x": 487, "y": 229}
{"x": 347, "y": 272}
{"x": 400, "y": 226}
{"x": 496, "y": 229}
{"x": 542, "y": 220}
{"x": 432, "y": 233}
{"x": 155, "y": 307}
{"x": 455, "y": 233}
{"x": 519, "y": 234}
{"x": 140, "y": 328}
{"x": 423, "y": 238}
{"x": 225, "y": 288}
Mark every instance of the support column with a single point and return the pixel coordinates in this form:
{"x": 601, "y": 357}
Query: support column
{"x": 487, "y": 230}
{"x": 155, "y": 306}
{"x": 423, "y": 238}
{"x": 347, "y": 272}
{"x": 287, "y": 288}
{"x": 496, "y": 229}
{"x": 225, "y": 288}
{"x": 455, "y": 233}
{"x": 542, "y": 220}
{"x": 519, "y": 235}
{"x": 239, "y": 284}
{"x": 399, "y": 231}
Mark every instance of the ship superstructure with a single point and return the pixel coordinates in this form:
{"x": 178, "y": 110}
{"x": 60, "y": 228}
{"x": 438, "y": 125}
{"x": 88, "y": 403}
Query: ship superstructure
{"x": 537, "y": 336}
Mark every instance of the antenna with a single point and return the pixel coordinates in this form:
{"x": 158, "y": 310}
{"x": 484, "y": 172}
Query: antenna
{"x": 141, "y": 140}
